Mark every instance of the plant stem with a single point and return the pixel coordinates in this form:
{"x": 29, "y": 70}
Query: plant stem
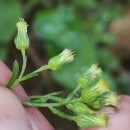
{"x": 45, "y": 67}
{"x": 71, "y": 95}
{"x": 24, "y": 63}
{"x": 30, "y": 75}
{"x": 57, "y": 104}
{"x": 61, "y": 114}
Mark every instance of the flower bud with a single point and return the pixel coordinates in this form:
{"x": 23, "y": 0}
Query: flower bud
{"x": 22, "y": 40}
{"x": 86, "y": 120}
{"x": 89, "y": 94}
{"x": 110, "y": 98}
{"x": 64, "y": 57}
{"x": 79, "y": 108}
{"x": 86, "y": 78}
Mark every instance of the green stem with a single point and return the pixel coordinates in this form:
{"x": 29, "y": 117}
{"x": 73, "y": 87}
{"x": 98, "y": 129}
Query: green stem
{"x": 30, "y": 75}
{"x": 42, "y": 104}
{"x": 57, "y": 104}
{"x": 24, "y": 63}
{"x": 71, "y": 95}
{"x": 61, "y": 114}
{"x": 45, "y": 67}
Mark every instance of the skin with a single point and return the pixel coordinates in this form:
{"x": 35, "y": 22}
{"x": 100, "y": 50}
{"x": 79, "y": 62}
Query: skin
{"x": 14, "y": 116}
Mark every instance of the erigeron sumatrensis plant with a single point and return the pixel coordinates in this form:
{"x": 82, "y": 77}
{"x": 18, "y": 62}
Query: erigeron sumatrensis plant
{"x": 88, "y": 97}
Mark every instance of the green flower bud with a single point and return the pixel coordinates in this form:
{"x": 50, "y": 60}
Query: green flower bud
{"x": 22, "y": 40}
{"x": 110, "y": 98}
{"x": 86, "y": 78}
{"x": 79, "y": 108}
{"x": 89, "y": 94}
{"x": 64, "y": 57}
{"x": 86, "y": 120}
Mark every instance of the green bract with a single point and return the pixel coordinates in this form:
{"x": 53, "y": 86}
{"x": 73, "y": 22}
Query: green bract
{"x": 64, "y": 57}
{"x": 89, "y": 94}
{"x": 22, "y": 40}
{"x": 91, "y": 120}
{"x": 79, "y": 108}
{"x": 110, "y": 98}
{"x": 86, "y": 78}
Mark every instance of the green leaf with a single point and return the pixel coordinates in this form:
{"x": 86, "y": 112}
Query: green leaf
{"x": 10, "y": 12}
{"x": 56, "y": 27}
{"x": 3, "y": 51}
{"x": 86, "y": 3}
{"x": 14, "y": 75}
{"x": 104, "y": 56}
{"x": 111, "y": 81}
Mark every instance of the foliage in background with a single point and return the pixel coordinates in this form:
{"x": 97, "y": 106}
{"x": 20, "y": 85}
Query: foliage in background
{"x": 10, "y": 12}
{"x": 82, "y": 27}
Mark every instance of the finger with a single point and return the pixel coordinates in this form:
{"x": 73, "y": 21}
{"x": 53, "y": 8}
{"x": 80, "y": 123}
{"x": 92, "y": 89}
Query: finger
{"x": 35, "y": 117}
{"x": 118, "y": 120}
{"x": 12, "y": 114}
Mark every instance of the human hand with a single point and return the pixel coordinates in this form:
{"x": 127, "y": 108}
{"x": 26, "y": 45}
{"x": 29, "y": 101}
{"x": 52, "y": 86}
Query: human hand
{"x": 14, "y": 116}
{"x": 118, "y": 120}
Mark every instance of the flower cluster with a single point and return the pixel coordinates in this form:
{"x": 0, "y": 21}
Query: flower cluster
{"x": 84, "y": 101}
{"x": 92, "y": 92}
{"x": 92, "y": 96}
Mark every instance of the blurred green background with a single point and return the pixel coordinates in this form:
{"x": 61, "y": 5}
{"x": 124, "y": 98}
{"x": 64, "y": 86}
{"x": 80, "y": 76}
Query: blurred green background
{"x": 97, "y": 30}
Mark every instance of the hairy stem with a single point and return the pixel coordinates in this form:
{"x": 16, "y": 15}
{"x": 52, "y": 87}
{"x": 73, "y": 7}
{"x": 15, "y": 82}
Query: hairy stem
{"x": 72, "y": 94}
{"x": 45, "y": 67}
{"x": 61, "y": 114}
{"x": 56, "y": 104}
{"x": 24, "y": 63}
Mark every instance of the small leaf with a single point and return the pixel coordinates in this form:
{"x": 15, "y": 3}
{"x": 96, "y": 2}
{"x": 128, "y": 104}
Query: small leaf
{"x": 14, "y": 75}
